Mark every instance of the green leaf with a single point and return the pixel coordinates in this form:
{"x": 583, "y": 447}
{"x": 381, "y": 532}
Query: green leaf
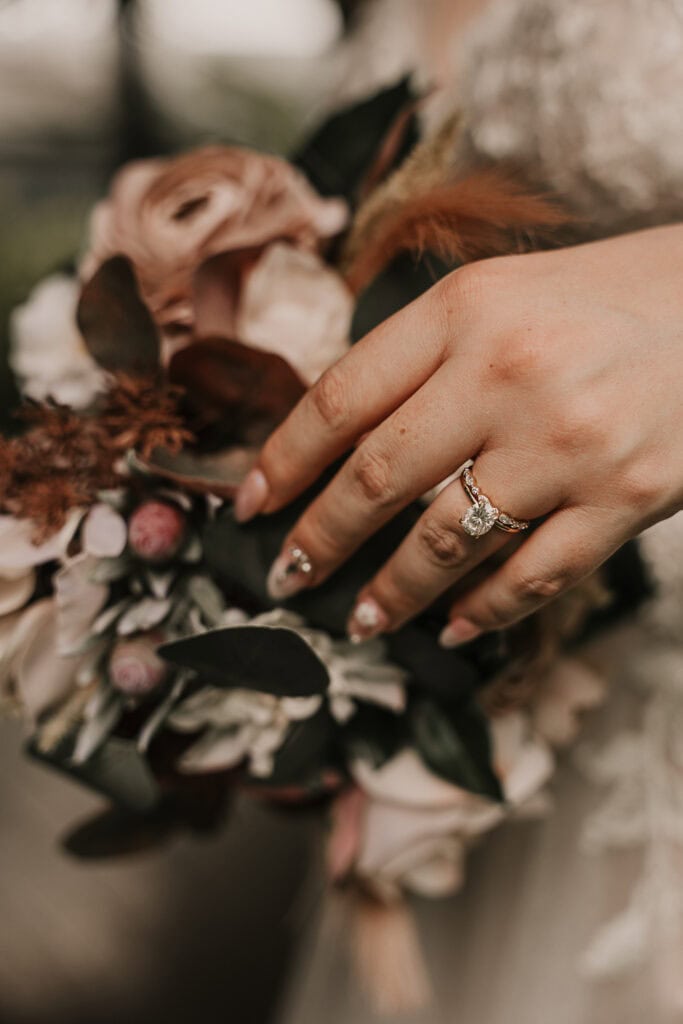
{"x": 304, "y": 755}
{"x": 457, "y": 746}
{"x": 241, "y": 554}
{"x": 117, "y": 770}
{"x": 114, "y": 321}
{"x": 374, "y": 735}
{"x": 340, "y": 153}
{"x": 268, "y": 659}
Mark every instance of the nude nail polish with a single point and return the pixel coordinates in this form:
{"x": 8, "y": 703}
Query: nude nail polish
{"x": 367, "y": 620}
{"x": 251, "y": 496}
{"x": 290, "y": 572}
{"x": 459, "y": 631}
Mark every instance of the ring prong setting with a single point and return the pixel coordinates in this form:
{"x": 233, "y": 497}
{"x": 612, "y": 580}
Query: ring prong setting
{"x": 480, "y": 518}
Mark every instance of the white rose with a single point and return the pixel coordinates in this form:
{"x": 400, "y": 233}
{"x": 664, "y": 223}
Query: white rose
{"x": 416, "y": 826}
{"x": 295, "y": 306}
{"x": 47, "y": 353}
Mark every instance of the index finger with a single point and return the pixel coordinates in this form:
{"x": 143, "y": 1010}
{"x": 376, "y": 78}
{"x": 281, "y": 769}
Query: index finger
{"x": 379, "y": 373}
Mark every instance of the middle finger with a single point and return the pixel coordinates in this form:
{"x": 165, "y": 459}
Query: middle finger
{"x": 436, "y": 430}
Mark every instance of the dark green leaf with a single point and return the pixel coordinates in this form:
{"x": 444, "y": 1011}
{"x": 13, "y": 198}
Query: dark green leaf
{"x": 340, "y": 153}
{"x": 305, "y": 754}
{"x": 268, "y": 659}
{"x": 114, "y": 321}
{"x": 116, "y": 769}
{"x": 374, "y": 735}
{"x": 447, "y": 675}
{"x": 242, "y": 554}
{"x": 456, "y": 745}
{"x": 114, "y": 832}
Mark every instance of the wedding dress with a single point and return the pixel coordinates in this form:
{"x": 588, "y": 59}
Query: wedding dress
{"x": 577, "y": 918}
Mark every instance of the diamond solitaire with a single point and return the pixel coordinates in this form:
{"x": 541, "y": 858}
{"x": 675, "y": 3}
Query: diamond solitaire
{"x": 479, "y": 518}
{"x": 483, "y": 515}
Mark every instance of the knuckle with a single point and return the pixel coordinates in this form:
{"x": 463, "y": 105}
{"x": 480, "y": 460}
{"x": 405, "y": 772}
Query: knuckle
{"x": 441, "y": 543}
{"x": 519, "y": 359}
{"x": 578, "y": 426}
{"x": 371, "y": 473}
{"x": 527, "y": 589}
{"x": 330, "y": 398}
{"x": 640, "y": 487}
{"x": 464, "y": 290}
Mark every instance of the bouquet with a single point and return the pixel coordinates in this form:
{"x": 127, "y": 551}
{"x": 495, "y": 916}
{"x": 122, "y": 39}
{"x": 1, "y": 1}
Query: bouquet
{"x": 137, "y": 638}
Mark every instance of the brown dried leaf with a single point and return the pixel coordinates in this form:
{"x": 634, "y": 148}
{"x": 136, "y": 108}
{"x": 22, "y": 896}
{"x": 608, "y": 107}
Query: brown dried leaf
{"x": 114, "y": 321}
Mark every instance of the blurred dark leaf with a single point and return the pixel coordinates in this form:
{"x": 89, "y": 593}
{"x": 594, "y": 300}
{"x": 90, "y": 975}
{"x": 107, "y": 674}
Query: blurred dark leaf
{"x": 268, "y": 659}
{"x": 374, "y": 735}
{"x": 242, "y": 554}
{"x": 116, "y": 833}
{"x": 116, "y": 770}
{"x": 303, "y": 757}
{"x": 447, "y": 675}
{"x": 114, "y": 321}
{"x": 456, "y": 745}
{"x": 245, "y": 392}
{"x": 340, "y": 154}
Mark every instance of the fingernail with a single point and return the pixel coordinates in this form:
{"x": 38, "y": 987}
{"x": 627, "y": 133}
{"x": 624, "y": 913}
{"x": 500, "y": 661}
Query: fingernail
{"x": 459, "y": 631}
{"x": 289, "y": 573}
{"x": 251, "y": 497}
{"x": 367, "y": 620}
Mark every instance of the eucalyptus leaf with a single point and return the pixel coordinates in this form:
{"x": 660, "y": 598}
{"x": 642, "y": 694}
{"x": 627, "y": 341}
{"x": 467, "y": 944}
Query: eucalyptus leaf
{"x": 114, "y": 321}
{"x": 101, "y": 718}
{"x": 160, "y": 714}
{"x": 106, "y": 619}
{"x": 209, "y": 599}
{"x": 456, "y": 746}
{"x": 144, "y": 615}
{"x": 107, "y": 570}
{"x": 264, "y": 658}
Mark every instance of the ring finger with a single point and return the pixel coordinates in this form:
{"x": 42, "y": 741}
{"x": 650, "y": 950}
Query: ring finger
{"x": 438, "y": 552}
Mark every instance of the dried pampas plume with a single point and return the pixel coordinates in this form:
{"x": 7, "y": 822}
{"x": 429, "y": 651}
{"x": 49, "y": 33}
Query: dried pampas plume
{"x": 426, "y": 206}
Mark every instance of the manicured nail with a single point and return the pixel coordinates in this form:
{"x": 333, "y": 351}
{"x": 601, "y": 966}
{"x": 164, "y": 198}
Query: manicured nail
{"x": 251, "y": 497}
{"x": 459, "y": 631}
{"x": 368, "y": 619}
{"x": 289, "y": 573}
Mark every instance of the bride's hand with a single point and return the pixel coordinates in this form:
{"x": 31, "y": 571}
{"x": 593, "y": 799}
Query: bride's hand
{"x": 559, "y": 373}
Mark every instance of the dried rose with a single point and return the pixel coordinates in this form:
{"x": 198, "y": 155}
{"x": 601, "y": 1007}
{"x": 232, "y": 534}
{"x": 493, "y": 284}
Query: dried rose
{"x": 156, "y": 530}
{"x": 135, "y": 669}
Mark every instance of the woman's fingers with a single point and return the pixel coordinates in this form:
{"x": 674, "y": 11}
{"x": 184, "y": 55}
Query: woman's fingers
{"x": 409, "y": 453}
{"x": 352, "y": 397}
{"x": 439, "y": 552}
{"x": 567, "y": 547}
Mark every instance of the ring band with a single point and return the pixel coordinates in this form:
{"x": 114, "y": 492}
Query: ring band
{"x": 483, "y": 515}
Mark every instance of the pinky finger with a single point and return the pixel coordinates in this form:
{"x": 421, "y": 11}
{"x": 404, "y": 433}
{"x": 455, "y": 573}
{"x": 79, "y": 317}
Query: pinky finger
{"x": 567, "y": 547}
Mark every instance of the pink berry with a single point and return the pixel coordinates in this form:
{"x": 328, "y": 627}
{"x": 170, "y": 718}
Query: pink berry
{"x": 156, "y": 531}
{"x": 135, "y": 668}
